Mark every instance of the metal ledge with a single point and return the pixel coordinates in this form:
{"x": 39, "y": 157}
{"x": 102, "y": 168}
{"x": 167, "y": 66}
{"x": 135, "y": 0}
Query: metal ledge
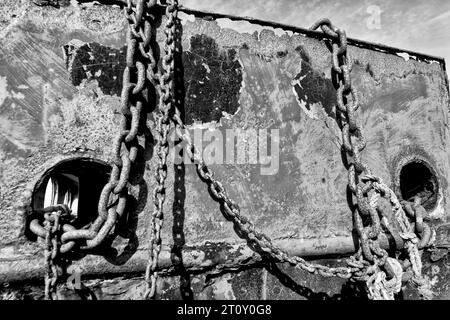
{"x": 296, "y": 29}
{"x": 209, "y": 256}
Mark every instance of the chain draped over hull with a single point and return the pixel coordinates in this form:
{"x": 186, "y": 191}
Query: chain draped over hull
{"x": 383, "y": 274}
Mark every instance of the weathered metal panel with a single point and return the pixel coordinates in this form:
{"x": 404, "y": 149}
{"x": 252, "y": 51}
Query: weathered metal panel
{"x": 60, "y": 80}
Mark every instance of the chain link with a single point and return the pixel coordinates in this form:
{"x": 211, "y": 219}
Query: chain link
{"x": 55, "y": 263}
{"x": 353, "y": 143}
{"x": 232, "y": 211}
{"x": 113, "y": 197}
{"x": 366, "y": 187}
{"x": 164, "y": 86}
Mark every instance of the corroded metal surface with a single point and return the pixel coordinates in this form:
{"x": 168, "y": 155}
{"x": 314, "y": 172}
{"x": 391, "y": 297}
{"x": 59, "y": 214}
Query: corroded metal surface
{"x": 276, "y": 282}
{"x": 60, "y": 77}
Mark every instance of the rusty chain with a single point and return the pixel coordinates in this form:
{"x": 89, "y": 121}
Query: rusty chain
{"x": 113, "y": 197}
{"x": 164, "y": 86}
{"x": 54, "y": 260}
{"x": 51, "y": 252}
{"x": 232, "y": 211}
{"x": 366, "y": 187}
{"x": 353, "y": 143}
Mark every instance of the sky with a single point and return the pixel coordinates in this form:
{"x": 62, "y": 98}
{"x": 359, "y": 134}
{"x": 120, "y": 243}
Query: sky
{"x": 417, "y": 25}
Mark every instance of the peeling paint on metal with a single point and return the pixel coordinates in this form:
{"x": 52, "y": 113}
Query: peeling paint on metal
{"x": 93, "y": 61}
{"x": 223, "y": 289}
{"x": 214, "y": 87}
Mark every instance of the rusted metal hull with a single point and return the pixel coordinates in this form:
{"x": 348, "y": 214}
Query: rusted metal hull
{"x": 60, "y": 80}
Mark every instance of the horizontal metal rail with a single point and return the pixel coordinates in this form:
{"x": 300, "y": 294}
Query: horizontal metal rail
{"x": 16, "y": 265}
{"x": 296, "y": 29}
